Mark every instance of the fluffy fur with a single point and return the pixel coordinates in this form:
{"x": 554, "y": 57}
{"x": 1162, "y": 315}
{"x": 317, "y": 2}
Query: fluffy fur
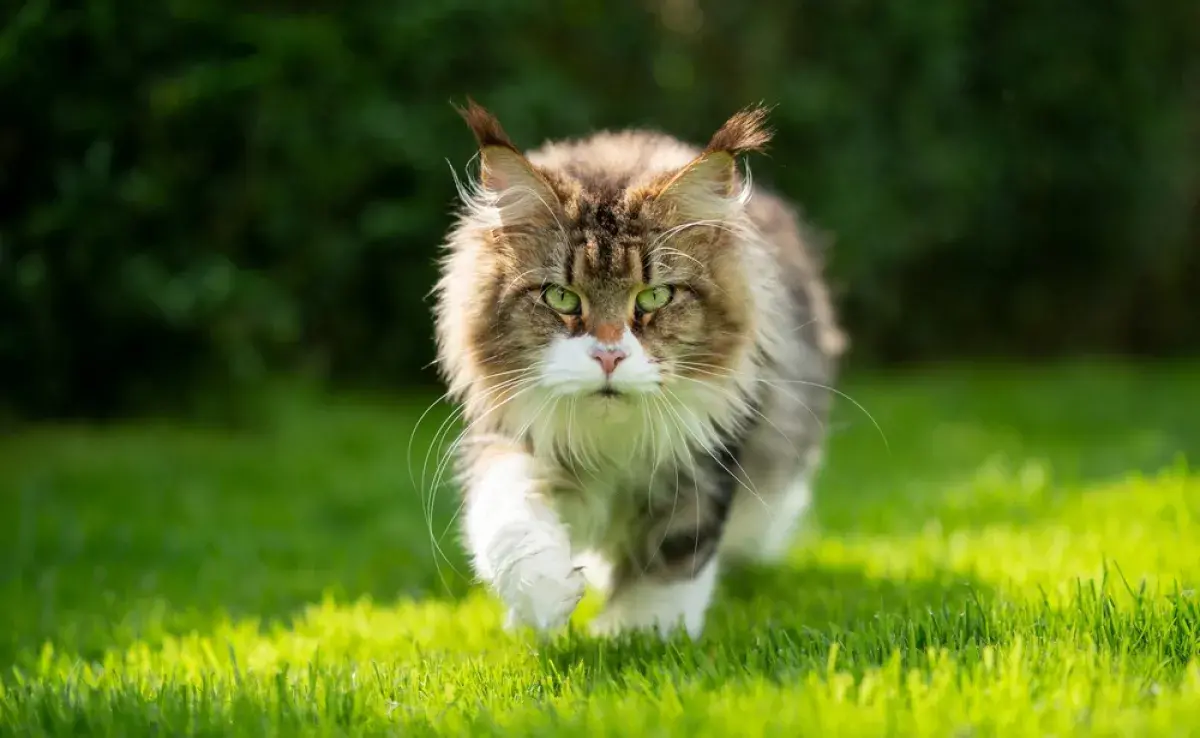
{"x": 702, "y": 440}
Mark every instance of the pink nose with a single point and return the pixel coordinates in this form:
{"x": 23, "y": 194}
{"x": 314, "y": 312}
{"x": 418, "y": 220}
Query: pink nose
{"x": 608, "y": 358}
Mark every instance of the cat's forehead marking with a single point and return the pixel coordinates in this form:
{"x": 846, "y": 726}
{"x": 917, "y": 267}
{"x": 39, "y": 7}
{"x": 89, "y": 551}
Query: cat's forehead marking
{"x": 608, "y": 236}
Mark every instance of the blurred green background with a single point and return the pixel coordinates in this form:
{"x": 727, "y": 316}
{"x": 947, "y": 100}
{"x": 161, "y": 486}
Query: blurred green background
{"x": 196, "y": 195}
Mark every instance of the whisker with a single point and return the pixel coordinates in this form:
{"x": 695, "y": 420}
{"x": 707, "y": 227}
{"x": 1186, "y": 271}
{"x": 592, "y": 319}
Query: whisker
{"x": 703, "y": 446}
{"x": 758, "y": 412}
{"x": 461, "y": 410}
{"x": 546, "y": 205}
{"x": 437, "y": 482}
{"x": 770, "y": 383}
{"x": 808, "y": 383}
{"x": 689, "y": 225}
{"x": 445, "y": 395}
{"x": 722, "y": 446}
{"x": 660, "y": 402}
{"x": 519, "y": 434}
{"x": 413, "y": 435}
{"x": 680, "y": 254}
{"x": 517, "y": 278}
{"x": 849, "y": 399}
{"x": 571, "y": 423}
{"x": 524, "y": 384}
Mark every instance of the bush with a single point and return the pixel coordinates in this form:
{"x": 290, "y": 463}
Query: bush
{"x": 202, "y": 192}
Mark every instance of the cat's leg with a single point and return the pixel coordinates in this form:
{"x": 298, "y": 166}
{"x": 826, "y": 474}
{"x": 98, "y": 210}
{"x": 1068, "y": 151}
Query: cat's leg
{"x": 763, "y": 523}
{"x": 664, "y": 605}
{"x": 762, "y": 528}
{"x": 518, "y": 544}
{"x": 666, "y": 582}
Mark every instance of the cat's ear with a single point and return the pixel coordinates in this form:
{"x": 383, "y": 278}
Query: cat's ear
{"x": 705, "y": 187}
{"x": 505, "y": 174}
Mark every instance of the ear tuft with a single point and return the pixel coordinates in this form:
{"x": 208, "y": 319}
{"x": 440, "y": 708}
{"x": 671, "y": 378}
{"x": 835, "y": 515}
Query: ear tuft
{"x": 512, "y": 187}
{"x": 487, "y": 129}
{"x": 705, "y": 187}
{"x": 745, "y": 132}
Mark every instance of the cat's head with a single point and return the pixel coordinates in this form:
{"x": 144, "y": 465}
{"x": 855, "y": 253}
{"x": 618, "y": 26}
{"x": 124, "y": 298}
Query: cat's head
{"x": 601, "y": 286}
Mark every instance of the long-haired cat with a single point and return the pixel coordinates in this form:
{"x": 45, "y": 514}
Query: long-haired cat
{"x": 642, "y": 351}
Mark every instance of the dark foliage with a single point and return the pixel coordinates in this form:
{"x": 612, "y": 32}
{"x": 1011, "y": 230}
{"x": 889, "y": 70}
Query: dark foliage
{"x": 200, "y": 192}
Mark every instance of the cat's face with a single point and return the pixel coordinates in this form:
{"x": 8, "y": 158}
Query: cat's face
{"x": 612, "y": 305}
{"x": 601, "y": 288}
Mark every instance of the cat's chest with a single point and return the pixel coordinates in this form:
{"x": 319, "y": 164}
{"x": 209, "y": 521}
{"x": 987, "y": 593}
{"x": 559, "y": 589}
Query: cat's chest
{"x": 602, "y": 510}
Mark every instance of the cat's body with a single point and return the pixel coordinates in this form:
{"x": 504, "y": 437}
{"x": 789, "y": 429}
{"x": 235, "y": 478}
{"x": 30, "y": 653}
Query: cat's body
{"x": 644, "y": 356}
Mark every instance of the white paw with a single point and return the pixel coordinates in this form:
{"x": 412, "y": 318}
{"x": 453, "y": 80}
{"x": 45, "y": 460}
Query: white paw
{"x": 611, "y": 623}
{"x": 664, "y": 607}
{"x": 540, "y": 594}
{"x": 538, "y": 581}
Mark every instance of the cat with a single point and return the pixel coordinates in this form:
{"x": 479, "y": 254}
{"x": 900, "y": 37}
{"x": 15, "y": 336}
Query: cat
{"x": 642, "y": 353}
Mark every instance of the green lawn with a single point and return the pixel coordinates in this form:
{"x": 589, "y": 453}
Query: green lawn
{"x": 1019, "y": 558}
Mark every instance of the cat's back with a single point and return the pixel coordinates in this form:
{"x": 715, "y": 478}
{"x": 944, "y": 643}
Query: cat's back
{"x": 795, "y": 248}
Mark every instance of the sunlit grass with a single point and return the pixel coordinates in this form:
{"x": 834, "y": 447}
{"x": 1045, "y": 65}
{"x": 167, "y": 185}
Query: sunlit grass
{"x": 1022, "y": 561}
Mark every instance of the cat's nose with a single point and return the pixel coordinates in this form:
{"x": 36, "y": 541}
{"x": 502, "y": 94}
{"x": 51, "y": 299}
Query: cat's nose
{"x": 608, "y": 358}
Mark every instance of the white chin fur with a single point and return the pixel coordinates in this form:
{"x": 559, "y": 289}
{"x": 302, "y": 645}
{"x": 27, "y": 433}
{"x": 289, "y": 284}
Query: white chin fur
{"x": 654, "y": 419}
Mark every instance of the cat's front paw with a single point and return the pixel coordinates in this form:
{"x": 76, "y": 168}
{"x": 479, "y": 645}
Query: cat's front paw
{"x": 539, "y": 583}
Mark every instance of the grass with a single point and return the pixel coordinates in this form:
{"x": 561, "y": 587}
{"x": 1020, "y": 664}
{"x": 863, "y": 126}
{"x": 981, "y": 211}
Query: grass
{"x": 1020, "y": 558}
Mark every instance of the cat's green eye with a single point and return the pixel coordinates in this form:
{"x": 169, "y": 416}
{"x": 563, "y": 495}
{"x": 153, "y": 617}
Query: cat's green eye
{"x": 561, "y": 299}
{"x": 654, "y": 298}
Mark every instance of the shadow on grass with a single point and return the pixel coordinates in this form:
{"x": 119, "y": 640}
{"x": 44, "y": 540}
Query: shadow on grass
{"x": 778, "y": 622}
